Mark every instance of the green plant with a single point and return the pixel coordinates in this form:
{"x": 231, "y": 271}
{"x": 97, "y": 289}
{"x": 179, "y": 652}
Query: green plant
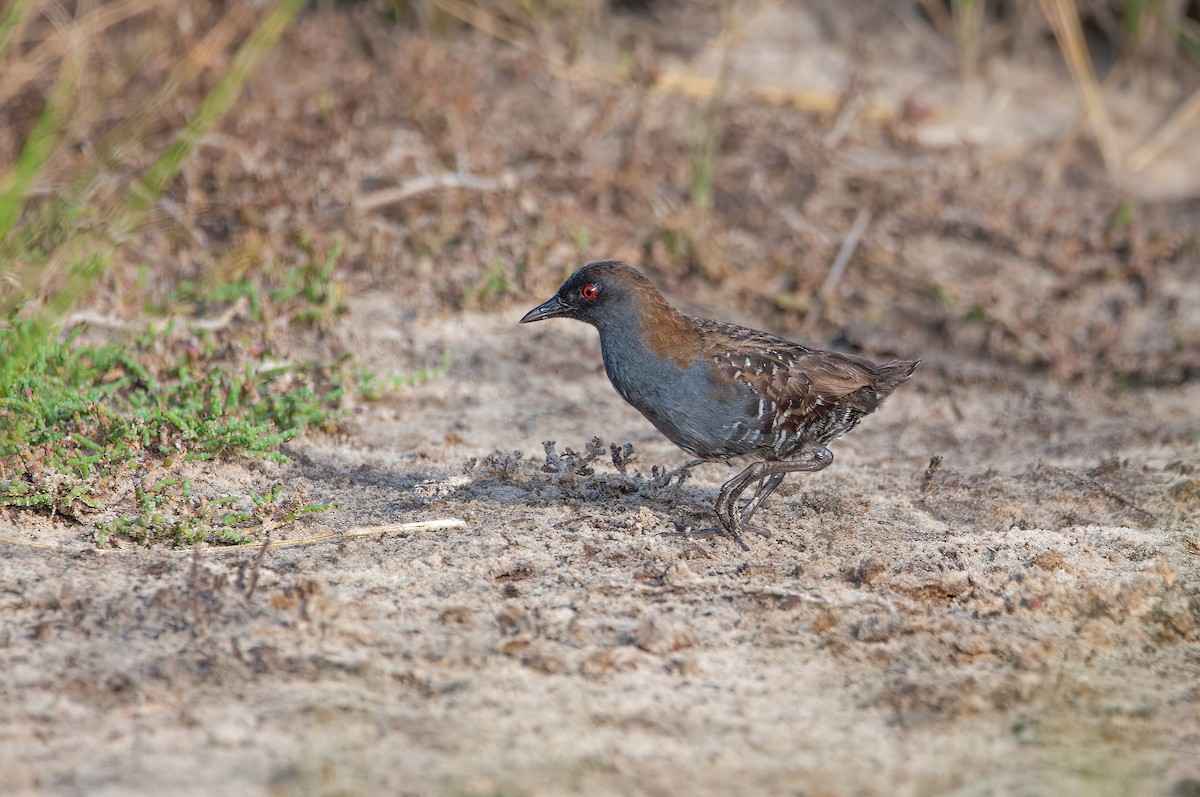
{"x": 1176, "y": 21}
{"x": 89, "y": 423}
{"x": 372, "y": 386}
{"x": 113, "y": 435}
{"x": 1125, "y": 214}
{"x": 313, "y": 283}
{"x": 492, "y": 285}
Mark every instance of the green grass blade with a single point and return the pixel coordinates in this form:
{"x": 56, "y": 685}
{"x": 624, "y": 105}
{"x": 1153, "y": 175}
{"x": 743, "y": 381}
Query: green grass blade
{"x": 135, "y": 126}
{"x": 156, "y": 180}
{"x": 47, "y": 132}
{"x": 12, "y": 23}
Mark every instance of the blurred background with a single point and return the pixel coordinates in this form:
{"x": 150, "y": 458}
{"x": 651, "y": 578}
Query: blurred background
{"x": 1012, "y": 180}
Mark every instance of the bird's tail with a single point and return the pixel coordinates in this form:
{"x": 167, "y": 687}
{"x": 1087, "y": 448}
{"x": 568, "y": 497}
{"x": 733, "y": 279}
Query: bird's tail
{"x": 890, "y": 375}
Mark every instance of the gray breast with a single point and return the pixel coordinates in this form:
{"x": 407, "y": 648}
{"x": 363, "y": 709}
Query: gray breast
{"x": 706, "y": 419}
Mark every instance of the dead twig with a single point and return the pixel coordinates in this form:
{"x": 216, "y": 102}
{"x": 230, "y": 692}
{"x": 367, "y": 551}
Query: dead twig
{"x": 935, "y": 464}
{"x": 239, "y": 309}
{"x": 861, "y": 221}
{"x": 363, "y": 531}
{"x": 4, "y": 538}
{"x": 421, "y": 185}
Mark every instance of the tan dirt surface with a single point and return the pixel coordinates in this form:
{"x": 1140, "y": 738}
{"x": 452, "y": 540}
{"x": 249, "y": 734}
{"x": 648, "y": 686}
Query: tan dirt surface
{"x": 994, "y": 589}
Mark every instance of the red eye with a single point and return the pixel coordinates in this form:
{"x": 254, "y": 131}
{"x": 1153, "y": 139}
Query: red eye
{"x": 589, "y": 292}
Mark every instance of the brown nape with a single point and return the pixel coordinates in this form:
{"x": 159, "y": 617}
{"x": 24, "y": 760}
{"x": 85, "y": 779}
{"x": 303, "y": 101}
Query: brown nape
{"x": 668, "y": 333}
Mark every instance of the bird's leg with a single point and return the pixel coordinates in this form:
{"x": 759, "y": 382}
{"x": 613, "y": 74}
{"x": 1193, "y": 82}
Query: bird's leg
{"x": 733, "y": 522}
{"x": 727, "y": 501}
{"x": 745, "y": 477}
{"x": 769, "y": 474}
{"x": 765, "y": 488}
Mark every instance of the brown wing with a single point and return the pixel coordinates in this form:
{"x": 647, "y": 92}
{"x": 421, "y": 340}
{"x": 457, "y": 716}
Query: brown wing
{"x": 804, "y": 393}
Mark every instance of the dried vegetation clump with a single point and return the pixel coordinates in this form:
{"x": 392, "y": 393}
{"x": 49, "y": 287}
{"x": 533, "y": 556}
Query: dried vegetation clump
{"x": 579, "y": 474}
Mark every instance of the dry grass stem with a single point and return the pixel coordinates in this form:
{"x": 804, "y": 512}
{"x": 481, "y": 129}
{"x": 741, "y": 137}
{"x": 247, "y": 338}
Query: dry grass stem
{"x": 668, "y": 81}
{"x": 481, "y": 19}
{"x": 1166, "y": 134}
{"x": 421, "y": 185}
{"x": 7, "y": 540}
{"x": 836, "y": 271}
{"x": 1063, "y": 17}
{"x": 71, "y": 37}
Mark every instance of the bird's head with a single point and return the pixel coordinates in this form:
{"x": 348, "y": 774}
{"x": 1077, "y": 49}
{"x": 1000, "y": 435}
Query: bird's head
{"x": 603, "y": 294}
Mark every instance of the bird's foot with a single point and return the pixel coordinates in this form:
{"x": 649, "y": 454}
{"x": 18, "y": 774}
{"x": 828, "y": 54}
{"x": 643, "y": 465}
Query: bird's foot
{"x": 743, "y": 523}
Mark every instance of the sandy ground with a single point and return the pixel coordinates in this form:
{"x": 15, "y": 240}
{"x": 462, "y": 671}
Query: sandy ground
{"x": 1021, "y": 619}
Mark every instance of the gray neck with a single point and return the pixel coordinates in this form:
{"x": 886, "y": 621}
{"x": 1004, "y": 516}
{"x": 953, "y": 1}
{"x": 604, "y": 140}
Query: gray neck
{"x": 643, "y": 378}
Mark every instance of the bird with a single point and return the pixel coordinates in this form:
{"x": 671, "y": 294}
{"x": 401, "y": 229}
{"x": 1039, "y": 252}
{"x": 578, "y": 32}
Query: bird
{"x": 719, "y": 391}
